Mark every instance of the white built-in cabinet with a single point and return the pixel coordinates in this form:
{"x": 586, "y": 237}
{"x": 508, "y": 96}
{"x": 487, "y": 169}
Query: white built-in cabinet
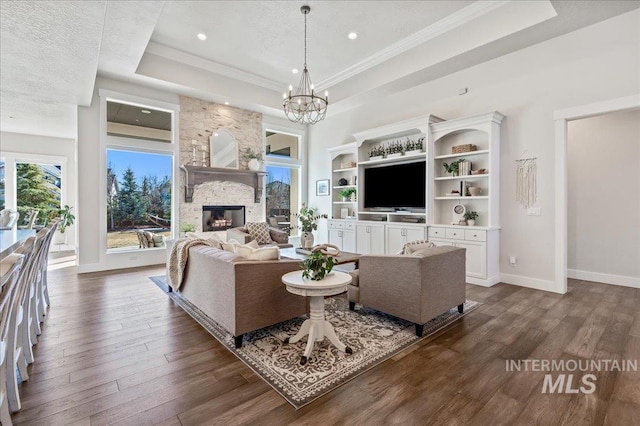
{"x": 399, "y": 234}
{"x": 342, "y": 233}
{"x": 370, "y": 238}
{"x": 385, "y": 232}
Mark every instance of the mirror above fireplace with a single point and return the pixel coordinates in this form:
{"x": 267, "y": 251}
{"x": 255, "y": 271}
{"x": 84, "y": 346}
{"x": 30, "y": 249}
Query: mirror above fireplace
{"x": 224, "y": 149}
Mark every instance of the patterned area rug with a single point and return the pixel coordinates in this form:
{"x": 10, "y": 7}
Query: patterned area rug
{"x": 373, "y": 336}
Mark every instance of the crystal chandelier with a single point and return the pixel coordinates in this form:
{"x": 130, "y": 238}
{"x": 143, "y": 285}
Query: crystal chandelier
{"x": 304, "y": 106}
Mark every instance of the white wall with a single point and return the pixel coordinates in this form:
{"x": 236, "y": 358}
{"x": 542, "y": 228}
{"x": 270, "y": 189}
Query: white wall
{"x": 32, "y": 147}
{"x": 92, "y": 254}
{"x": 604, "y": 198}
{"x": 596, "y": 63}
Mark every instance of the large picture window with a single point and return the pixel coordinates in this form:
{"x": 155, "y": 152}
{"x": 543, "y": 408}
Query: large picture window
{"x": 138, "y": 197}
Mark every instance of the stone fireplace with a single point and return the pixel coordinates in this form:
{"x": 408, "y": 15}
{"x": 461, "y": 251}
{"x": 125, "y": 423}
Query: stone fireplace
{"x": 221, "y": 218}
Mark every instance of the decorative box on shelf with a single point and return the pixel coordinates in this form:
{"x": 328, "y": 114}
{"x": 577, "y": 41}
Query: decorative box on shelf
{"x": 458, "y": 149}
{"x": 347, "y": 164}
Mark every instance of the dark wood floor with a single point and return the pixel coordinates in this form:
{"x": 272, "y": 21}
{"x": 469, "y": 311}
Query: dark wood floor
{"x": 115, "y": 349}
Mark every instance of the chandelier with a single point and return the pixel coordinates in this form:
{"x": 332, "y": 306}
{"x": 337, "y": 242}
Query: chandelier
{"x": 304, "y": 106}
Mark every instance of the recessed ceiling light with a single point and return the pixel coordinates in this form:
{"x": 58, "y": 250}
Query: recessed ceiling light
{"x": 11, "y": 116}
{"x": 145, "y": 111}
{"x": 295, "y": 70}
{"x": 226, "y": 103}
{"x": 202, "y": 36}
{"x": 215, "y": 134}
{"x": 352, "y": 36}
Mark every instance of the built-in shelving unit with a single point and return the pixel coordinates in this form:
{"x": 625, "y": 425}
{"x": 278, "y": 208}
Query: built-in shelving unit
{"x": 379, "y": 231}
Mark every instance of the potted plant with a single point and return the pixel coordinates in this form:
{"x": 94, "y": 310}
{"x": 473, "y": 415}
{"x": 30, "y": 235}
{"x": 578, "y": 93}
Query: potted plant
{"x": 348, "y": 194}
{"x": 254, "y": 158}
{"x": 471, "y": 217}
{"x": 317, "y": 265}
{"x": 307, "y": 222}
{"x": 66, "y": 219}
{"x": 453, "y": 168}
{"x": 186, "y": 227}
{"x": 376, "y": 153}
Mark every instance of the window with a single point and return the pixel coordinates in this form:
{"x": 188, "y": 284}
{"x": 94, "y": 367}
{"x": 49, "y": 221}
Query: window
{"x": 283, "y": 181}
{"x": 139, "y": 175}
{"x": 37, "y": 192}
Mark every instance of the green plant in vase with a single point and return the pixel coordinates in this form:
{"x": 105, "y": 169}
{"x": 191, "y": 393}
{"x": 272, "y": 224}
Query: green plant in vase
{"x": 453, "y": 168}
{"x": 471, "y": 217}
{"x": 348, "y": 194}
{"x": 317, "y": 265}
{"x": 307, "y": 219}
{"x": 66, "y": 217}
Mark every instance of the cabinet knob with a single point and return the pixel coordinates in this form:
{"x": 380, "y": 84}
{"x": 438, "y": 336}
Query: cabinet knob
{"x": 475, "y": 235}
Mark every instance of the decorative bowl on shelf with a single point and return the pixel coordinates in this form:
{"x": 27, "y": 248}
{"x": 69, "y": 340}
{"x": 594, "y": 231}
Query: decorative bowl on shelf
{"x": 475, "y": 191}
{"x": 479, "y": 172}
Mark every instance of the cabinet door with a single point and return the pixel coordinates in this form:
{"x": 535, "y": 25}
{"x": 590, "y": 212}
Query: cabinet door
{"x": 376, "y": 233}
{"x": 476, "y": 258}
{"x": 335, "y": 237}
{"x": 414, "y": 234}
{"x": 395, "y": 239}
{"x": 363, "y": 241}
{"x": 349, "y": 241}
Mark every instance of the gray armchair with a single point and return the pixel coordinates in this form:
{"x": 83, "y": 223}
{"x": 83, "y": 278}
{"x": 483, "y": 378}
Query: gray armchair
{"x": 279, "y": 237}
{"x": 416, "y": 288}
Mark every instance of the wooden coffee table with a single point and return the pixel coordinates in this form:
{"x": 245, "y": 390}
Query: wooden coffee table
{"x": 317, "y": 327}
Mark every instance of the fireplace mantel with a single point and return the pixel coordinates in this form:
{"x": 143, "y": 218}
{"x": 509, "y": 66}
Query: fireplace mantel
{"x": 196, "y": 175}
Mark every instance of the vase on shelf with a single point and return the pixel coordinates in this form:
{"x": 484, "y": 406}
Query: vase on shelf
{"x": 471, "y": 222}
{"x": 254, "y": 165}
{"x": 306, "y": 240}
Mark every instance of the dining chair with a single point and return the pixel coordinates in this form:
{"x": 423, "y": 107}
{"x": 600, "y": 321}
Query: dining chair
{"x": 9, "y": 272}
{"x": 42, "y": 287}
{"x": 8, "y": 218}
{"x": 15, "y": 362}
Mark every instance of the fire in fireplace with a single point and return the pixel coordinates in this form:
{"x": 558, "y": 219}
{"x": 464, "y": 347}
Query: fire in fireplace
{"x": 220, "y": 218}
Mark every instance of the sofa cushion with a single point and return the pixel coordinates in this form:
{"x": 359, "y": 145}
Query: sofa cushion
{"x": 158, "y": 240}
{"x": 355, "y": 277}
{"x": 262, "y": 253}
{"x": 412, "y": 246}
{"x": 233, "y": 245}
{"x": 149, "y": 236}
{"x": 259, "y": 231}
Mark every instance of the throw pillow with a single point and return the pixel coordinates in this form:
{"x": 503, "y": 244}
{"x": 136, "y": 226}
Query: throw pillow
{"x": 279, "y": 237}
{"x": 158, "y": 240}
{"x": 259, "y": 231}
{"x": 149, "y": 236}
{"x": 412, "y": 246}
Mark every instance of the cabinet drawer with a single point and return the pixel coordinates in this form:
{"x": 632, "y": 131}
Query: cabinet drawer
{"x": 473, "y": 235}
{"x": 454, "y": 234}
{"x": 336, "y": 224}
{"x": 349, "y": 225}
{"x": 436, "y": 232}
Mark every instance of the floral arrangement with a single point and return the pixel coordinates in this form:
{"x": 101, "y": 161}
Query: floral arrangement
{"x": 250, "y": 154}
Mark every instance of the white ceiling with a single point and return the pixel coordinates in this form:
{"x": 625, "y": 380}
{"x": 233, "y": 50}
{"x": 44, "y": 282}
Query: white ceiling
{"x": 51, "y": 51}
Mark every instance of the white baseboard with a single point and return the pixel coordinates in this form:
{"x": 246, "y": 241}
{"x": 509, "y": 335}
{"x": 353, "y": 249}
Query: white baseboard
{"x": 604, "y": 278}
{"x": 489, "y": 282}
{"x": 529, "y": 282}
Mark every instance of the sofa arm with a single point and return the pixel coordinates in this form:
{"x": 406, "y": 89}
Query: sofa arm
{"x": 238, "y": 234}
{"x": 279, "y": 236}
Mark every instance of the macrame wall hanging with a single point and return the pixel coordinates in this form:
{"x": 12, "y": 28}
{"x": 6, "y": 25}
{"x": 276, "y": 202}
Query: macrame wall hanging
{"x": 526, "y": 175}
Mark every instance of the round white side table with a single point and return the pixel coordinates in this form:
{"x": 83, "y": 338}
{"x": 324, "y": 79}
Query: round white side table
{"x": 317, "y": 327}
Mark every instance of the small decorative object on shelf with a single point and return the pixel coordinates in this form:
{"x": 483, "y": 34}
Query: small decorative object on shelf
{"x": 254, "y": 158}
{"x": 479, "y": 172}
{"x": 376, "y": 153}
{"x": 348, "y": 194}
{"x": 320, "y": 262}
{"x": 474, "y": 191}
{"x": 471, "y": 217}
{"x": 204, "y": 149}
{"x": 453, "y": 168}
{"x": 348, "y": 165}
{"x": 194, "y": 148}
{"x": 458, "y": 149}
{"x": 343, "y": 182}
{"x": 464, "y": 168}
{"x": 394, "y": 149}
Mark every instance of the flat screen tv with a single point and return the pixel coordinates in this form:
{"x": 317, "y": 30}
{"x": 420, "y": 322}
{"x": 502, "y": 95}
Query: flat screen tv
{"x": 395, "y": 186}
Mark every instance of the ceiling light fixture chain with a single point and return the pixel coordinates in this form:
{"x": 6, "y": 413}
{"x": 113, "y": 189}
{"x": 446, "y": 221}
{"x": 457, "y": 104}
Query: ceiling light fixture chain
{"x": 304, "y": 106}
